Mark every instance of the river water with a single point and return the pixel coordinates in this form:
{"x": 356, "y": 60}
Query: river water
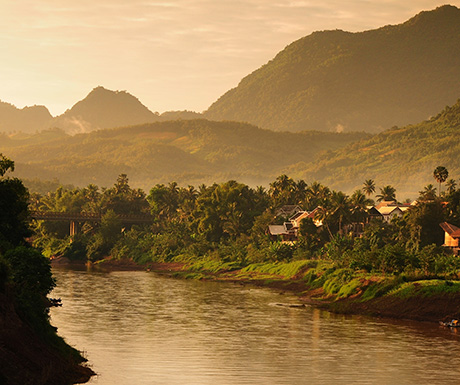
{"x": 139, "y": 328}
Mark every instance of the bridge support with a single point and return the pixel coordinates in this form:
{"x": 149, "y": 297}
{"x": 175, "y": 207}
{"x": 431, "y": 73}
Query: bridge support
{"x": 73, "y": 228}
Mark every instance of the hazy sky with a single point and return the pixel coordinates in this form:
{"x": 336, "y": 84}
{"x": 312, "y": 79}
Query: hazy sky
{"x": 171, "y": 54}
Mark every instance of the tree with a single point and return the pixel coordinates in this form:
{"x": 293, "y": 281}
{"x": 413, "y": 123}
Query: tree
{"x": 5, "y": 165}
{"x": 341, "y": 208}
{"x": 316, "y": 195}
{"x": 387, "y": 193}
{"x": 14, "y": 212}
{"x": 451, "y": 186}
{"x": 359, "y": 203}
{"x": 282, "y": 191}
{"x": 30, "y": 270}
{"x": 122, "y": 185}
{"x": 368, "y": 187}
{"x": 441, "y": 174}
{"x": 122, "y": 199}
{"x": 428, "y": 193}
{"x": 227, "y": 211}
{"x": 164, "y": 201}
{"x": 423, "y": 223}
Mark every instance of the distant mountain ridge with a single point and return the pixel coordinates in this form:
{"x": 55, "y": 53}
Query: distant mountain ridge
{"x": 335, "y": 80}
{"x": 186, "y": 151}
{"x": 201, "y": 151}
{"x": 28, "y": 119}
{"x": 100, "y": 109}
{"x": 327, "y": 81}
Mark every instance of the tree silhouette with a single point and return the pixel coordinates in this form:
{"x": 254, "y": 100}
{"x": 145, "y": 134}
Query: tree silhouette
{"x": 387, "y": 193}
{"x": 5, "y": 165}
{"x": 440, "y": 173}
{"x": 451, "y": 186}
{"x": 428, "y": 193}
{"x": 368, "y": 187}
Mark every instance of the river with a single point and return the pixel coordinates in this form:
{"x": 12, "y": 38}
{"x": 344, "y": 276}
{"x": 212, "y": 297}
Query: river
{"x": 140, "y": 328}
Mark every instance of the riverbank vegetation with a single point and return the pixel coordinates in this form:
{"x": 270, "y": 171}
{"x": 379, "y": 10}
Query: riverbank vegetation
{"x": 30, "y": 349}
{"x": 222, "y": 229}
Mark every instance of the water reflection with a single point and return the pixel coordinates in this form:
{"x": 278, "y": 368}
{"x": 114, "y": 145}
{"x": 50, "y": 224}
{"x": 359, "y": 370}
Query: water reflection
{"x": 139, "y": 328}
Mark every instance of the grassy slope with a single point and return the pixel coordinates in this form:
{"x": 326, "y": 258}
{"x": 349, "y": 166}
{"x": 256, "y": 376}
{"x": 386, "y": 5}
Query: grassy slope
{"x": 342, "y": 290}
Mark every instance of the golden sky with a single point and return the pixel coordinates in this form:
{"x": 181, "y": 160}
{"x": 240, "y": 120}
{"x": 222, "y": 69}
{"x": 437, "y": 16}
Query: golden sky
{"x": 171, "y": 54}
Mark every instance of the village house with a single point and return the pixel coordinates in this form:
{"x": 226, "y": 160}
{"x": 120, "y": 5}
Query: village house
{"x": 451, "y": 237}
{"x": 287, "y": 211}
{"x": 288, "y": 231}
{"x": 389, "y": 209}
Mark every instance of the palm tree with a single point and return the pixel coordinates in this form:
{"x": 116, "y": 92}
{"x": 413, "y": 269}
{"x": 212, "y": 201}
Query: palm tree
{"x": 368, "y": 187}
{"x": 440, "y": 173}
{"x": 340, "y": 208}
{"x": 92, "y": 196}
{"x": 387, "y": 193}
{"x": 316, "y": 195}
{"x": 300, "y": 191}
{"x": 282, "y": 189}
{"x": 451, "y": 186}
{"x": 428, "y": 193}
{"x": 359, "y": 203}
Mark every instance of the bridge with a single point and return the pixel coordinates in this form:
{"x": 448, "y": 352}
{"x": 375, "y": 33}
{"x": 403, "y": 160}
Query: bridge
{"x": 76, "y": 218}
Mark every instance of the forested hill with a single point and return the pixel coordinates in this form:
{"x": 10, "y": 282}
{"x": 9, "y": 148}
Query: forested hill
{"x": 185, "y": 151}
{"x": 373, "y": 80}
{"x": 402, "y": 157}
{"x": 104, "y": 108}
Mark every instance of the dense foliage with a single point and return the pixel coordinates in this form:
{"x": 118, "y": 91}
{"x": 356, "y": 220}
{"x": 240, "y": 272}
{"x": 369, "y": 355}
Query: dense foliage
{"x": 22, "y": 268}
{"x": 226, "y": 225}
{"x": 335, "y": 80}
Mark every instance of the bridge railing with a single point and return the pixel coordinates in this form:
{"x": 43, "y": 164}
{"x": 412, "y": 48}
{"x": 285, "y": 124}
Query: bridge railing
{"x": 86, "y": 217}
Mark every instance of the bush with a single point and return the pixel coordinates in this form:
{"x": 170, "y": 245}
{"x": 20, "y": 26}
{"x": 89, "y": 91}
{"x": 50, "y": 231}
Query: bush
{"x": 30, "y": 270}
{"x": 280, "y": 251}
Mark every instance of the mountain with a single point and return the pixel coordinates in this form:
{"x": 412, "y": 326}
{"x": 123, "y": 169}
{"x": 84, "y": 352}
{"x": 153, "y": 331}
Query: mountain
{"x": 185, "y": 151}
{"x": 27, "y": 119}
{"x": 402, "y": 157}
{"x": 336, "y": 80}
{"x": 104, "y": 108}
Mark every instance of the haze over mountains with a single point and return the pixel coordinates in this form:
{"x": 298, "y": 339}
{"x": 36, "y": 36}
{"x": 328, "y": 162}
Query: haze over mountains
{"x": 187, "y": 151}
{"x": 100, "y": 109}
{"x": 329, "y": 81}
{"x": 201, "y": 151}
